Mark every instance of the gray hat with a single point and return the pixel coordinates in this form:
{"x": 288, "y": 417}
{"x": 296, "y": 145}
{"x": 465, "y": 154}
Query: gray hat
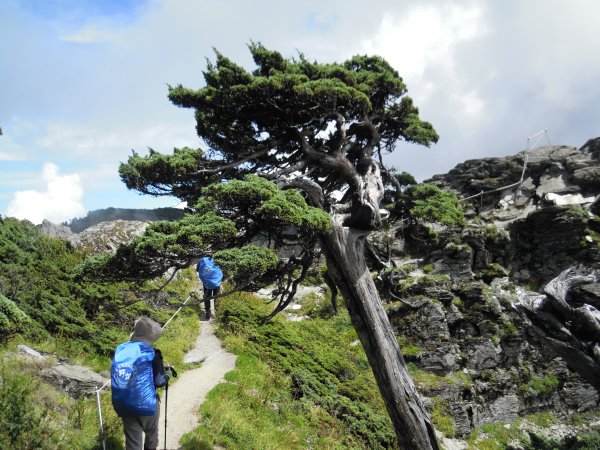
{"x": 146, "y": 330}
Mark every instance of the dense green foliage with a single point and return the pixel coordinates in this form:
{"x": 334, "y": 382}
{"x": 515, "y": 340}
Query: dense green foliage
{"x": 275, "y": 122}
{"x": 248, "y": 209}
{"x": 425, "y": 204}
{"x": 12, "y": 318}
{"x": 35, "y": 277}
{"x": 36, "y": 282}
{"x": 296, "y": 385}
{"x": 24, "y": 423}
{"x": 41, "y": 304}
{"x": 428, "y": 203}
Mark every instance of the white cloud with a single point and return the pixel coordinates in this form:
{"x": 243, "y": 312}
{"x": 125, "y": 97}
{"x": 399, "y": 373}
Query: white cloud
{"x": 424, "y": 43}
{"x": 90, "y": 35}
{"x": 4, "y": 156}
{"x": 62, "y": 199}
{"x": 424, "y": 36}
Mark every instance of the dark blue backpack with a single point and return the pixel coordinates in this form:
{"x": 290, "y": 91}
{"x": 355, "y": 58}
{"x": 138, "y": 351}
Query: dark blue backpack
{"x": 132, "y": 381}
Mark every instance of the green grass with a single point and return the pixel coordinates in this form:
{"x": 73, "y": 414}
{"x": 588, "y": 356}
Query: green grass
{"x": 496, "y": 436}
{"x": 427, "y": 381}
{"x": 441, "y": 417}
{"x": 542, "y": 419}
{"x": 539, "y": 385}
{"x": 179, "y": 337}
{"x": 250, "y": 411}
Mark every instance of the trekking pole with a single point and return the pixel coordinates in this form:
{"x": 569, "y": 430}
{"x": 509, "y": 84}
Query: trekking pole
{"x": 166, "y": 400}
{"x": 100, "y": 416}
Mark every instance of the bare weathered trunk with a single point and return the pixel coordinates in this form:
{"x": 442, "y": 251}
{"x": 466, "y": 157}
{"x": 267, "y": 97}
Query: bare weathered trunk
{"x": 344, "y": 249}
{"x": 571, "y": 332}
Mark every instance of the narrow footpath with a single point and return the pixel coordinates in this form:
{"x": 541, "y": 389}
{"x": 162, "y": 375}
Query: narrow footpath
{"x": 189, "y": 390}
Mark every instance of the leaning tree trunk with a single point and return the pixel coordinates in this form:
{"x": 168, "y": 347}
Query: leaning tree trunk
{"x": 344, "y": 249}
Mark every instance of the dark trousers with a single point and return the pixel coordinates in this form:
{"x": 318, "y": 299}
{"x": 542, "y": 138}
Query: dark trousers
{"x": 208, "y": 293}
{"x": 136, "y": 427}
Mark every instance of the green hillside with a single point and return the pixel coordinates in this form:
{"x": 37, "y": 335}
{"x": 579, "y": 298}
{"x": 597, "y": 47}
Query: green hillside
{"x": 45, "y": 307}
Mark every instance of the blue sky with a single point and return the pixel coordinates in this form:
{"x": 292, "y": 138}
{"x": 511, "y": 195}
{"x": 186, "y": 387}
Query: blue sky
{"x": 83, "y": 82}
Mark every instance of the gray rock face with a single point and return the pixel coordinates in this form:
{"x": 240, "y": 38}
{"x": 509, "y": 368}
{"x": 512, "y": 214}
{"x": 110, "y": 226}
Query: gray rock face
{"x": 586, "y": 294}
{"x": 100, "y": 238}
{"x": 29, "y": 352}
{"x": 543, "y": 225}
{"x": 503, "y": 409}
{"x": 482, "y": 354}
{"x": 77, "y": 381}
{"x": 478, "y": 345}
{"x": 551, "y": 169}
{"x": 55, "y": 231}
{"x": 550, "y": 240}
{"x": 454, "y": 259}
{"x": 107, "y": 236}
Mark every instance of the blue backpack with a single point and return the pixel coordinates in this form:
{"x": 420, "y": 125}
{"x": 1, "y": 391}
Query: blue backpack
{"x": 210, "y": 274}
{"x": 132, "y": 381}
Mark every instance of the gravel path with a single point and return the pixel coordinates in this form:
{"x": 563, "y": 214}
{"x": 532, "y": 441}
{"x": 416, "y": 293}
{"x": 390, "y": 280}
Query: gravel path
{"x": 189, "y": 390}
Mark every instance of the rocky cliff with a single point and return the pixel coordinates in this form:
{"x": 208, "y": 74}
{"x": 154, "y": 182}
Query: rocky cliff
{"x": 532, "y": 213}
{"x": 483, "y": 339}
{"x": 124, "y": 214}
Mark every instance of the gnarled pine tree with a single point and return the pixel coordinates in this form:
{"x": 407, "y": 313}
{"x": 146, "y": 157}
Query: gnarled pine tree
{"x": 318, "y": 131}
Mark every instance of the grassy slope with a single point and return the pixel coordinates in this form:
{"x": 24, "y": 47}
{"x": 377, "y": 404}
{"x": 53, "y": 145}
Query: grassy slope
{"x": 296, "y": 385}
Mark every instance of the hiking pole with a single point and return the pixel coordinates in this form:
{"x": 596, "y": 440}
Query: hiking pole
{"x": 166, "y": 400}
{"x": 170, "y": 372}
{"x": 100, "y": 416}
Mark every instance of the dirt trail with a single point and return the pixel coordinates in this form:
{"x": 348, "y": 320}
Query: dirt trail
{"x": 190, "y": 388}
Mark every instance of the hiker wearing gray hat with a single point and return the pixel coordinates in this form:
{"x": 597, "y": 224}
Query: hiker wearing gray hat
{"x": 137, "y": 370}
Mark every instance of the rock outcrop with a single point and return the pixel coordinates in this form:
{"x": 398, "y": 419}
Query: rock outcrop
{"x": 469, "y": 346}
{"x": 508, "y": 188}
{"x": 128, "y": 215}
{"x": 107, "y": 236}
{"x": 458, "y": 305}
{"x": 533, "y": 214}
{"x": 55, "y": 231}
{"x": 77, "y": 381}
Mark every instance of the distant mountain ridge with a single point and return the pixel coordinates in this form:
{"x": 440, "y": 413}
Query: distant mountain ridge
{"x": 111, "y": 214}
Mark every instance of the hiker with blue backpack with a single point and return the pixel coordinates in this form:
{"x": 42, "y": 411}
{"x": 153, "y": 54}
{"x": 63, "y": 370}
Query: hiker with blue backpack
{"x": 211, "y": 276}
{"x": 137, "y": 370}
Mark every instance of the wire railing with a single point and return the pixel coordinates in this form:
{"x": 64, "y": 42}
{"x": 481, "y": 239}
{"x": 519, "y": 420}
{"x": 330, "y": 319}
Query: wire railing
{"x": 536, "y": 139}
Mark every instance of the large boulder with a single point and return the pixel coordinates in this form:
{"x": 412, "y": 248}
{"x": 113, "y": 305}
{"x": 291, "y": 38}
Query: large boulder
{"x": 77, "y": 381}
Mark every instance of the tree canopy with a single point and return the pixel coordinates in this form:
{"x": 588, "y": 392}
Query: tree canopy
{"x": 305, "y": 125}
{"x": 315, "y": 125}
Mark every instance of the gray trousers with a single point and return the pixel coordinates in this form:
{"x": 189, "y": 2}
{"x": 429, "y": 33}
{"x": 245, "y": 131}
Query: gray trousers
{"x": 136, "y": 426}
